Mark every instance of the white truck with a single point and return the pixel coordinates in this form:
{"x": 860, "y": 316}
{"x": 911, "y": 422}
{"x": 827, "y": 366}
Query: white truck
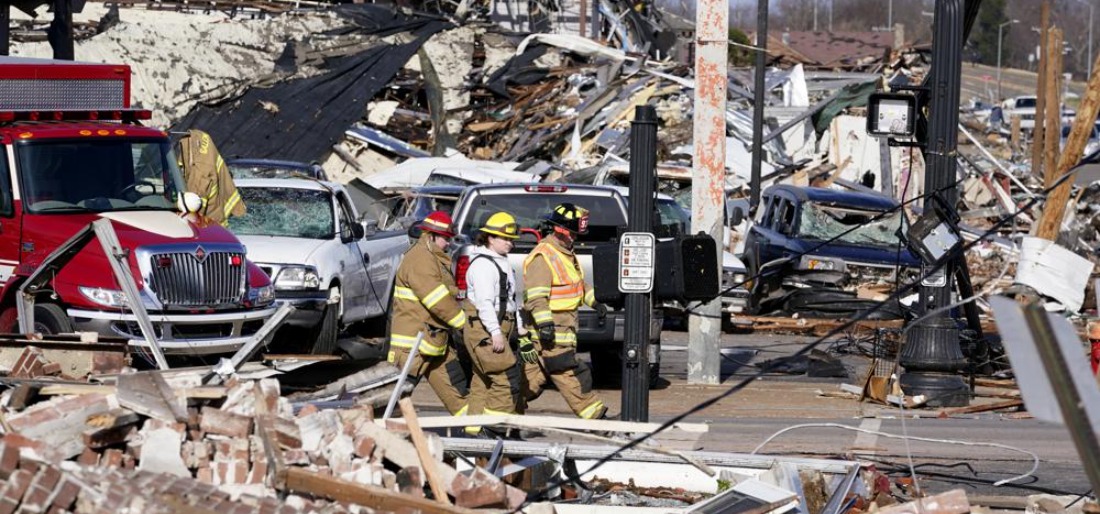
{"x": 529, "y": 203}
{"x": 334, "y": 266}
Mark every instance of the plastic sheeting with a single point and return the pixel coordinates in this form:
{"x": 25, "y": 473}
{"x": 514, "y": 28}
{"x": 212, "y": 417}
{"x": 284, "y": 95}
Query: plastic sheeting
{"x": 317, "y": 110}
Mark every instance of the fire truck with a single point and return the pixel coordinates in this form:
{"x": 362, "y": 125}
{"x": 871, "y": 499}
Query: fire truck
{"x": 76, "y": 152}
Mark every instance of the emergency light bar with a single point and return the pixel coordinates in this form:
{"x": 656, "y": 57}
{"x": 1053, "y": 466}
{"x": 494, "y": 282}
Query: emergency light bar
{"x": 106, "y": 115}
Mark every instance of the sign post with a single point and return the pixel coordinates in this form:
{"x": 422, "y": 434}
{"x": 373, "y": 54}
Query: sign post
{"x": 636, "y": 258}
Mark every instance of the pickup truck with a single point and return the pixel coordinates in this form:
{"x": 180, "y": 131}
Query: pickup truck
{"x": 334, "y": 267}
{"x": 795, "y": 220}
{"x": 529, "y": 203}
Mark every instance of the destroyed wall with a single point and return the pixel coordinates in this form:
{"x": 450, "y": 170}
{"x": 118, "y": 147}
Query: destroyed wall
{"x": 180, "y": 59}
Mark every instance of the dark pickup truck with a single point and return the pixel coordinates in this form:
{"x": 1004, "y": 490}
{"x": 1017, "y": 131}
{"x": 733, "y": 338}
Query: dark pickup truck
{"x": 793, "y": 221}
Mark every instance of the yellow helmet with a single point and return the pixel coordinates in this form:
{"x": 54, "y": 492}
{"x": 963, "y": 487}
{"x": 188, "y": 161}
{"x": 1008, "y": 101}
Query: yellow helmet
{"x": 501, "y": 224}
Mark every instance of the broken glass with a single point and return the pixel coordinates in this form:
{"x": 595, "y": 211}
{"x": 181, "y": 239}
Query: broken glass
{"x": 824, "y": 222}
{"x": 285, "y": 212}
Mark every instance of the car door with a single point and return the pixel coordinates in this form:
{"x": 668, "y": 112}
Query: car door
{"x": 351, "y": 264}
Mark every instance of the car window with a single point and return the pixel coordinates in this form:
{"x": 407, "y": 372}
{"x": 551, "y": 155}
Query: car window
{"x": 345, "y": 216}
{"x": 286, "y": 212}
{"x": 606, "y": 215}
{"x": 674, "y": 221}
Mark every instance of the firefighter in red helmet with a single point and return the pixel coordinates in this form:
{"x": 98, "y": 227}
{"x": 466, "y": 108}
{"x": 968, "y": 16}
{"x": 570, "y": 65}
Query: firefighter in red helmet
{"x": 424, "y": 302}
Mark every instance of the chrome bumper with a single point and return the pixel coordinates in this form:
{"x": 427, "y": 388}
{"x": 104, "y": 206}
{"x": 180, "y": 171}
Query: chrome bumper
{"x": 178, "y": 334}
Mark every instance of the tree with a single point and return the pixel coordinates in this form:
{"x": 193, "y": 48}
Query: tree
{"x": 983, "y": 37}
{"x": 739, "y": 56}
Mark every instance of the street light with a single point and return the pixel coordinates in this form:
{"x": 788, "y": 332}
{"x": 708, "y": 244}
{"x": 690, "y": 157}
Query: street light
{"x": 1000, "y": 34}
{"x": 1089, "y": 3}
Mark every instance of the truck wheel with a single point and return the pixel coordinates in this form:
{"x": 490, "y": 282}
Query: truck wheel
{"x": 50, "y": 318}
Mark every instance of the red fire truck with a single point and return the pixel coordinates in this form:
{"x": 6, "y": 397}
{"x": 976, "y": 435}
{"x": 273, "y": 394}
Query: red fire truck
{"x": 74, "y": 152}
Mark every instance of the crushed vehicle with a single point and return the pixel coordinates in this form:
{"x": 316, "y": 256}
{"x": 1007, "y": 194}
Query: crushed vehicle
{"x": 94, "y": 160}
{"x": 529, "y": 203}
{"x": 798, "y": 272}
{"x": 270, "y": 168}
{"x": 336, "y": 267}
{"x": 417, "y": 203}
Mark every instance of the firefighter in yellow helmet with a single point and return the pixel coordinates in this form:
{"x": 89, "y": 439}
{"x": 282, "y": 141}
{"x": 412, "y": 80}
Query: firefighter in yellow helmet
{"x": 554, "y": 289}
{"x": 424, "y": 302}
{"x": 496, "y": 386}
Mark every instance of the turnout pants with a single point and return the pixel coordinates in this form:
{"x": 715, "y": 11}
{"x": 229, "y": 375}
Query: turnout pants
{"x": 444, "y": 374}
{"x": 497, "y": 383}
{"x": 572, "y": 378}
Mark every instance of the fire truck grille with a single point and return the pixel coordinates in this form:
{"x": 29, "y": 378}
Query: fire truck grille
{"x": 183, "y": 280}
{"x": 68, "y": 94}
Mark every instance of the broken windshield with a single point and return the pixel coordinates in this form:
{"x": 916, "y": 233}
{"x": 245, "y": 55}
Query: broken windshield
{"x": 285, "y": 212}
{"x": 820, "y": 221}
{"x": 108, "y": 174}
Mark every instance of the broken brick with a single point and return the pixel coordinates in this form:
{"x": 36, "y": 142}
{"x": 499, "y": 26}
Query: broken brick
{"x": 217, "y": 421}
{"x": 364, "y": 446}
{"x": 483, "y": 490}
{"x": 29, "y": 364}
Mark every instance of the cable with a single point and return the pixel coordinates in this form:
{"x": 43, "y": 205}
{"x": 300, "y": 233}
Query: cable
{"x": 1034, "y": 457}
{"x": 959, "y": 250}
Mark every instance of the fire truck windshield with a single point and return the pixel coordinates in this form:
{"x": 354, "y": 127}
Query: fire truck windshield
{"x": 98, "y": 175}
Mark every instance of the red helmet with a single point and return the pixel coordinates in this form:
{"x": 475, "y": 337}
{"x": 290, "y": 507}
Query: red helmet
{"x": 439, "y": 223}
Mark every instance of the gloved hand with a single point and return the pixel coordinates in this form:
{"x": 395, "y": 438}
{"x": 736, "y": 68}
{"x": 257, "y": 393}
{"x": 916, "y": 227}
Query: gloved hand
{"x": 546, "y": 333}
{"x": 601, "y": 311}
{"x": 527, "y": 350}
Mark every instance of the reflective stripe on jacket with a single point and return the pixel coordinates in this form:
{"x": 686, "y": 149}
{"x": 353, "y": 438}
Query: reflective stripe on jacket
{"x": 424, "y": 299}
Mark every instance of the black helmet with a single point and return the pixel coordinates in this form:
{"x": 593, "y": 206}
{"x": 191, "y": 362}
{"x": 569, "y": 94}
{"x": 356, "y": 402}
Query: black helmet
{"x": 569, "y": 217}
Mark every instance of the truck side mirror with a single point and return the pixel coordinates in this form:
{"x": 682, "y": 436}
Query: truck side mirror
{"x": 357, "y": 231}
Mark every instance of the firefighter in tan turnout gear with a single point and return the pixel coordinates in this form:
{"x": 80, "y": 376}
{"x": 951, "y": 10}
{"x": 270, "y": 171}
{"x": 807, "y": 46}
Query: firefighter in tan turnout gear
{"x": 424, "y": 302}
{"x": 497, "y": 383}
{"x": 554, "y": 290}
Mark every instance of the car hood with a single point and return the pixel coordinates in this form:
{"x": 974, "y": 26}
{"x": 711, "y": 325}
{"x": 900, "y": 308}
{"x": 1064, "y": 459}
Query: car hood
{"x": 864, "y": 254}
{"x": 280, "y": 250}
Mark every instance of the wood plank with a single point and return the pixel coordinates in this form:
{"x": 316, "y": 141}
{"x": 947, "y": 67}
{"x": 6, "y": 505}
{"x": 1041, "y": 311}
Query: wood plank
{"x": 535, "y": 422}
{"x": 299, "y": 480}
{"x": 427, "y": 463}
{"x": 203, "y": 393}
{"x": 1055, "y": 206}
{"x": 972, "y": 409}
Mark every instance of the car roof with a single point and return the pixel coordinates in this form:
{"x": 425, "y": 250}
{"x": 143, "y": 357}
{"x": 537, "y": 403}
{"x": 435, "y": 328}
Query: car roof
{"x": 582, "y": 188}
{"x": 287, "y": 183}
{"x": 823, "y": 195}
{"x": 270, "y": 162}
{"x": 439, "y": 190}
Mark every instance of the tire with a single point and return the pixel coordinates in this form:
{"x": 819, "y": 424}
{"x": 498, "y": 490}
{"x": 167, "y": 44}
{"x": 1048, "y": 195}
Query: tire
{"x": 50, "y": 318}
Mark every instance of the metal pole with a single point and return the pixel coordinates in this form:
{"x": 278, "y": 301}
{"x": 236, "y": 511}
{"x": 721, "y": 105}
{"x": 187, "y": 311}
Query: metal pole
{"x": 831, "y": 15}
{"x": 708, "y": 193}
{"x": 5, "y": 29}
{"x": 815, "y": 15}
{"x": 1000, "y": 31}
{"x": 60, "y": 32}
{"x": 643, "y": 178}
{"x": 758, "y": 104}
{"x": 890, "y": 15}
{"x": 931, "y": 354}
{"x": 404, "y": 374}
{"x": 1090, "y": 39}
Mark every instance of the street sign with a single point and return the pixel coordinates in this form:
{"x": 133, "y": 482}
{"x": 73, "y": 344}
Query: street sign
{"x": 636, "y": 257}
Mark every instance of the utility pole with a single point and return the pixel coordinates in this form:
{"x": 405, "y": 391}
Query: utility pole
{"x": 931, "y": 354}
{"x": 1040, "y": 94}
{"x": 709, "y": 174}
{"x": 759, "y": 96}
{"x": 643, "y": 178}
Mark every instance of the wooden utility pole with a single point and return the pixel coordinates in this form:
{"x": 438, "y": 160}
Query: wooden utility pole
{"x": 1040, "y": 94}
{"x": 1055, "y": 208}
{"x": 1052, "y": 121}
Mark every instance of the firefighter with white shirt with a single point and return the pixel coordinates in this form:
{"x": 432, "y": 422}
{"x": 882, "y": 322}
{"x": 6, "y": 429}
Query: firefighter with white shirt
{"x": 490, "y": 304}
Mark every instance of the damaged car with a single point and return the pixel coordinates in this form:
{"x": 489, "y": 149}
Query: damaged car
{"x": 811, "y": 250}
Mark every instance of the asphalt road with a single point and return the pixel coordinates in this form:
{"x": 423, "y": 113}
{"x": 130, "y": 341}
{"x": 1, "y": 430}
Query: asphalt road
{"x": 769, "y": 403}
{"x": 981, "y": 81}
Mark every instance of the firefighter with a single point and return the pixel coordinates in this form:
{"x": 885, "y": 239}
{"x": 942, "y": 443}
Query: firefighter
{"x": 497, "y": 382}
{"x": 554, "y": 290}
{"x": 424, "y": 302}
{"x": 205, "y": 173}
